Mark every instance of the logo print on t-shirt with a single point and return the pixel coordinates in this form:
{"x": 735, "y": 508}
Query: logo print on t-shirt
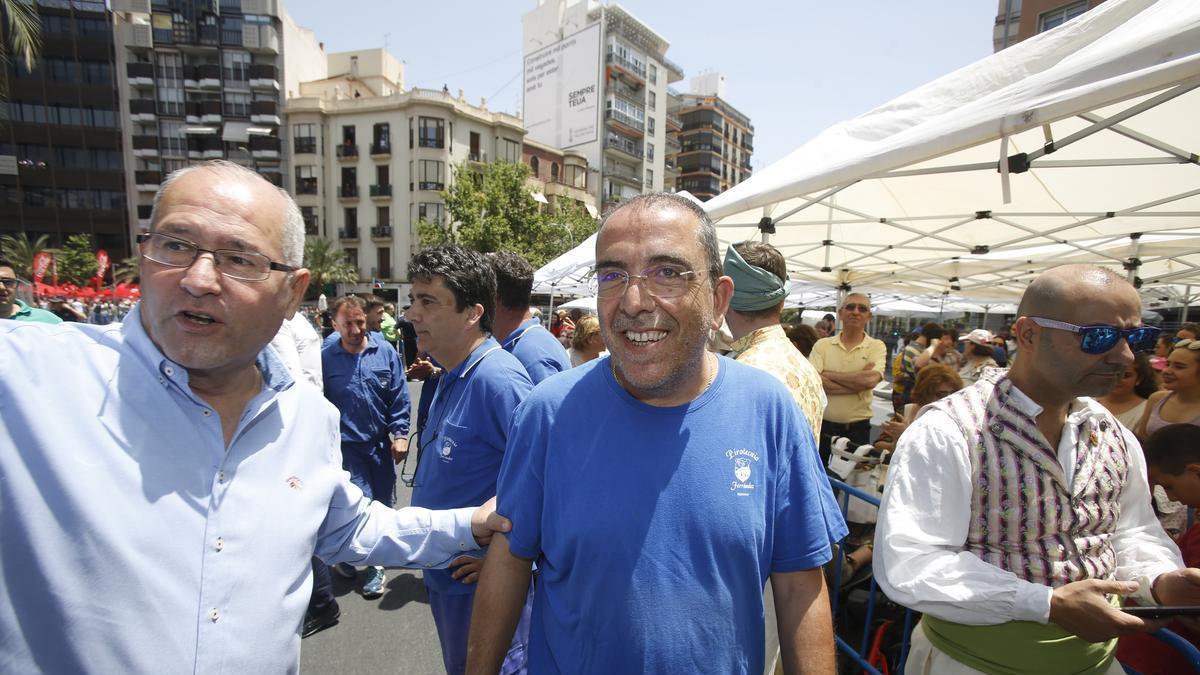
{"x": 743, "y": 470}
{"x": 447, "y": 447}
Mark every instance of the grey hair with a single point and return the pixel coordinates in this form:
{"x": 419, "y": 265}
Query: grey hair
{"x": 706, "y": 232}
{"x": 293, "y": 220}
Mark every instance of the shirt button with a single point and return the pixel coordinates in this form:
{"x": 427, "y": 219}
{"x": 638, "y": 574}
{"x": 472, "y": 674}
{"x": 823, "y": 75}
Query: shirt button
{"x": 214, "y": 614}
{"x": 207, "y": 412}
{"x": 220, "y": 544}
{"x": 169, "y": 371}
{"x": 221, "y": 477}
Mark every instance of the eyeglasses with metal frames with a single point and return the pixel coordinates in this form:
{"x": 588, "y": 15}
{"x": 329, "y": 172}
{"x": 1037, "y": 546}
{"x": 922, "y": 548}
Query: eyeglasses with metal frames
{"x": 171, "y": 251}
{"x": 1099, "y": 338}
{"x": 663, "y": 281}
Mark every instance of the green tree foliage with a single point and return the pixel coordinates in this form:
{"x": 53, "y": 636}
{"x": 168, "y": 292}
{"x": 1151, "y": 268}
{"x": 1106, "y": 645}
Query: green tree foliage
{"x": 76, "y": 260}
{"x": 19, "y": 249}
{"x": 327, "y": 265}
{"x": 491, "y": 208}
{"x": 128, "y": 270}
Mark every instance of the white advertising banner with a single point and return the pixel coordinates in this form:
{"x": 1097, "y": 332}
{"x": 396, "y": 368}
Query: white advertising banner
{"x": 562, "y": 90}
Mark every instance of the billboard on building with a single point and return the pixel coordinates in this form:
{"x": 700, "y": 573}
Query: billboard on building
{"x": 562, "y": 90}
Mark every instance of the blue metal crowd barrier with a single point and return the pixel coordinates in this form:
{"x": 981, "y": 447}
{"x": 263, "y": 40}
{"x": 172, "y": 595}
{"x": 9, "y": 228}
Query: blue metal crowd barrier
{"x": 862, "y": 655}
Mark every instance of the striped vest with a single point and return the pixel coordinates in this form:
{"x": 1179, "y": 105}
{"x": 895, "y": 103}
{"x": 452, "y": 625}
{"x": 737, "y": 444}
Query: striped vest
{"x": 1025, "y": 518}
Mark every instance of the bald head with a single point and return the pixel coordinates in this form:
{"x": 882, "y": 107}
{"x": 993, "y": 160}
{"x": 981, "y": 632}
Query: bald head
{"x": 1056, "y": 292}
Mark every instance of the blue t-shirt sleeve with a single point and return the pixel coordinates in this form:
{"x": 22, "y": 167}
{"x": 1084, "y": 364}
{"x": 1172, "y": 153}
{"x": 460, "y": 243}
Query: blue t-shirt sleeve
{"x": 807, "y": 517}
{"x": 520, "y": 489}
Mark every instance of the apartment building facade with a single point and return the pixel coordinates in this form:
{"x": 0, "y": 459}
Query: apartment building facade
{"x": 61, "y": 168}
{"x": 370, "y": 159}
{"x": 714, "y": 141}
{"x": 202, "y": 80}
{"x": 628, "y": 141}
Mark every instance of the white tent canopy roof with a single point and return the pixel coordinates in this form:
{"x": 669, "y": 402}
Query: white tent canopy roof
{"x": 1077, "y": 145}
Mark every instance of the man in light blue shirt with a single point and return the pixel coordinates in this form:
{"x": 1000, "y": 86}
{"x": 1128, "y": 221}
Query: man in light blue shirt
{"x": 518, "y": 331}
{"x": 165, "y": 522}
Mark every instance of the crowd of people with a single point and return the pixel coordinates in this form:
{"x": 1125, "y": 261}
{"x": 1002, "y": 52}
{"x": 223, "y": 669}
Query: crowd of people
{"x": 634, "y": 489}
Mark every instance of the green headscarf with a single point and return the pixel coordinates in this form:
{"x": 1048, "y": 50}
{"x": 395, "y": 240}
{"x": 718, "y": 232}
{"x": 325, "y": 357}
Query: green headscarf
{"x": 753, "y": 287}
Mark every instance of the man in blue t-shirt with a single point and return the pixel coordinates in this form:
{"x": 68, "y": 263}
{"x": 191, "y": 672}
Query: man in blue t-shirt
{"x": 658, "y": 489}
{"x": 518, "y": 331}
{"x": 463, "y": 436}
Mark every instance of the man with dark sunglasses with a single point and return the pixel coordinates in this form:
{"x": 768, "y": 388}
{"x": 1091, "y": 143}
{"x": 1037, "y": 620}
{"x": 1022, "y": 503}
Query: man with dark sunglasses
{"x": 1017, "y": 511}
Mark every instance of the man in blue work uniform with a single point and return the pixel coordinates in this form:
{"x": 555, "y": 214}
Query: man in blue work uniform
{"x": 364, "y": 378}
{"x": 515, "y": 327}
{"x": 463, "y": 439}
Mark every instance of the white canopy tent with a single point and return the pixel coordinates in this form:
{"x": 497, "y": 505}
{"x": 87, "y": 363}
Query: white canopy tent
{"x": 1079, "y": 144}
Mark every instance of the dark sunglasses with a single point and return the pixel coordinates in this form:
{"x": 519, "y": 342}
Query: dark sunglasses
{"x": 855, "y": 307}
{"x": 1101, "y": 338}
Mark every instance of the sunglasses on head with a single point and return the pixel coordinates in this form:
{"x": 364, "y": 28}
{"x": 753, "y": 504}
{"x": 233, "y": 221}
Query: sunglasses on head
{"x": 1099, "y": 339}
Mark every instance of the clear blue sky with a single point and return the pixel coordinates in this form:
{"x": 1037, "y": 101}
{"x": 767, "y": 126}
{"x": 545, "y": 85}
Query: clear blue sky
{"x": 793, "y": 66}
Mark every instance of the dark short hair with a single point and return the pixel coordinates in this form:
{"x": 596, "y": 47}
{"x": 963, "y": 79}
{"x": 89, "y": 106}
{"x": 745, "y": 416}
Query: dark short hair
{"x": 373, "y": 301}
{"x": 5, "y": 262}
{"x": 514, "y": 279}
{"x": 1173, "y": 447}
{"x": 346, "y": 300}
{"x": 706, "y": 232}
{"x": 466, "y": 273}
{"x": 932, "y": 331}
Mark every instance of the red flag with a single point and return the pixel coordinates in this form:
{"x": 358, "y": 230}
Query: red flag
{"x": 41, "y": 263}
{"x": 101, "y": 263}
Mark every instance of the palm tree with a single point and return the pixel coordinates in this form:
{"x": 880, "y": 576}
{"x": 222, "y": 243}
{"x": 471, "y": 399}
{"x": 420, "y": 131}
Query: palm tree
{"x": 20, "y": 251}
{"x": 127, "y": 270}
{"x": 327, "y": 265}
{"x": 24, "y": 29}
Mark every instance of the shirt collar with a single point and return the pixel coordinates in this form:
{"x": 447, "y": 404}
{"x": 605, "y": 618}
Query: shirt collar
{"x": 754, "y": 337}
{"x": 516, "y": 334}
{"x": 275, "y": 374}
{"x": 373, "y": 342}
{"x": 1080, "y": 408}
{"x": 22, "y": 309}
{"x": 486, "y": 347}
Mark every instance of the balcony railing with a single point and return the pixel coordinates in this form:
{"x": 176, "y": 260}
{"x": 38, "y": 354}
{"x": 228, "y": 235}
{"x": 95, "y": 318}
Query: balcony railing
{"x": 347, "y": 150}
{"x": 348, "y": 191}
{"x": 304, "y": 144}
{"x": 306, "y": 186}
{"x": 381, "y": 231}
{"x": 147, "y": 177}
{"x": 381, "y": 190}
{"x": 436, "y": 142}
{"x": 264, "y": 108}
{"x": 381, "y": 148}
{"x": 145, "y": 142}
{"x": 263, "y": 71}
{"x": 141, "y": 106}
{"x": 430, "y": 185}
{"x": 312, "y": 226}
{"x": 348, "y": 232}
{"x": 624, "y": 145}
{"x": 264, "y": 143}
{"x": 627, "y": 120}
{"x": 139, "y": 70}
{"x": 626, "y": 65}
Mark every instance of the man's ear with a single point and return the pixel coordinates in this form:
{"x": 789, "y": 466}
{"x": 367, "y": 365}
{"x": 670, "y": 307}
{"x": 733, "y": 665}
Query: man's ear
{"x": 1025, "y": 332}
{"x": 474, "y": 314}
{"x": 296, "y": 287}
{"x": 722, "y": 296}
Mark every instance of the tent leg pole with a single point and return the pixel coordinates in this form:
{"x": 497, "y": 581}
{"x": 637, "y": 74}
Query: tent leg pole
{"x": 1187, "y": 300}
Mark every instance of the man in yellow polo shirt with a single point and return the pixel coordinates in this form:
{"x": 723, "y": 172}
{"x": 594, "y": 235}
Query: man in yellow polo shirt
{"x": 851, "y": 364}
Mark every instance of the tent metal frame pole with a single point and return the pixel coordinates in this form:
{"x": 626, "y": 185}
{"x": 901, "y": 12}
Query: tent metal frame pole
{"x": 1187, "y": 296}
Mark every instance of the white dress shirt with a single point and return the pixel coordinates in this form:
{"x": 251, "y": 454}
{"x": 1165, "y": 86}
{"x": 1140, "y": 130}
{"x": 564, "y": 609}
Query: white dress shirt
{"x": 924, "y": 518}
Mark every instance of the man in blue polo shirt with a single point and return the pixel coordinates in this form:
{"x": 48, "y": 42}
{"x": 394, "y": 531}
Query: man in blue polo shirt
{"x": 364, "y": 378}
{"x": 659, "y": 488}
{"x": 518, "y": 331}
{"x": 462, "y": 441}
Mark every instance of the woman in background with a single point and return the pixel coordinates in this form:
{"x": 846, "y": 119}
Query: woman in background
{"x": 586, "y": 343}
{"x": 1127, "y": 400}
